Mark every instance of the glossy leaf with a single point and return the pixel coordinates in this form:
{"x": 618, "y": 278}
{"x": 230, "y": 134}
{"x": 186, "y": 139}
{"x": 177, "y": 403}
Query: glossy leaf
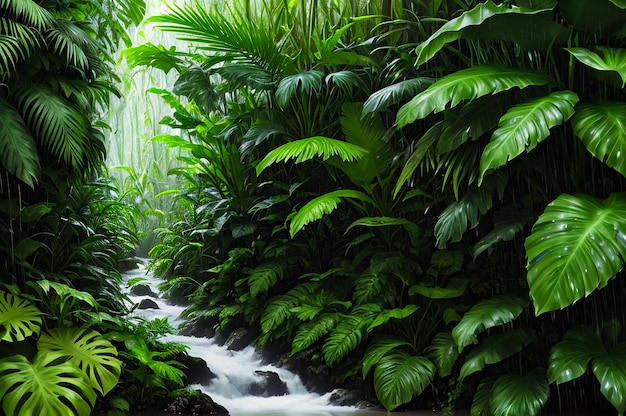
{"x": 306, "y": 149}
{"x": 570, "y": 357}
{"x": 89, "y": 351}
{"x": 486, "y": 314}
{"x": 399, "y": 376}
{"x": 576, "y": 246}
{"x": 409, "y": 226}
{"x": 18, "y": 318}
{"x": 610, "y": 370}
{"x": 378, "y": 349}
{"x": 316, "y": 208}
{"x": 601, "y": 128}
{"x": 466, "y": 84}
{"x": 46, "y": 386}
{"x": 481, "y": 404}
{"x": 524, "y": 126}
{"x": 454, "y": 289}
{"x": 612, "y": 60}
{"x": 394, "y": 94}
{"x": 388, "y": 314}
{"x": 345, "y": 337}
{"x": 443, "y": 352}
{"x": 520, "y": 395}
{"x": 309, "y": 333}
{"x": 496, "y": 348}
{"x": 453, "y": 29}
{"x": 305, "y": 83}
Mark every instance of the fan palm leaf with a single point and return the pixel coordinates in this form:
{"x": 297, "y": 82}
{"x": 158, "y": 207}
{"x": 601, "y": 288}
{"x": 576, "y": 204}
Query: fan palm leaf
{"x": 467, "y": 84}
{"x": 303, "y": 84}
{"x": 393, "y": 94}
{"x": 576, "y": 246}
{"x": 70, "y": 42}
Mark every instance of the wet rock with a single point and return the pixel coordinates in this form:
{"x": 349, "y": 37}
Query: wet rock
{"x": 201, "y": 328}
{"x": 194, "y": 403}
{"x": 345, "y": 397}
{"x": 142, "y": 290}
{"x": 240, "y": 339}
{"x": 147, "y": 304}
{"x": 269, "y": 385}
{"x": 197, "y": 371}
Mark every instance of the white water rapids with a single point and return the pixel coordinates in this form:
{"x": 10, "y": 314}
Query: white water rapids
{"x": 235, "y": 370}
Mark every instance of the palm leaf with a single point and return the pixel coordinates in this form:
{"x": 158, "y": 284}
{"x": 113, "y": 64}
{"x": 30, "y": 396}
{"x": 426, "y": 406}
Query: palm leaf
{"x": 399, "y": 376}
{"x": 64, "y": 291}
{"x": 486, "y": 314}
{"x": 465, "y": 213}
{"x": 18, "y": 318}
{"x": 345, "y": 82}
{"x": 443, "y": 352}
{"x": 305, "y": 83}
{"x": 520, "y": 395}
{"x": 466, "y": 84}
{"x": 601, "y": 128}
{"x": 29, "y": 12}
{"x": 154, "y": 56}
{"x": 316, "y": 208}
{"x": 524, "y": 126}
{"x": 576, "y": 246}
{"x": 89, "y": 351}
{"x": 394, "y": 94}
{"x": 571, "y": 356}
{"x": 18, "y": 150}
{"x": 46, "y": 386}
{"x": 481, "y": 404}
{"x": 279, "y": 308}
{"x": 306, "y": 149}
{"x": 454, "y": 29}
{"x": 612, "y": 60}
{"x": 496, "y": 348}
{"x": 70, "y": 42}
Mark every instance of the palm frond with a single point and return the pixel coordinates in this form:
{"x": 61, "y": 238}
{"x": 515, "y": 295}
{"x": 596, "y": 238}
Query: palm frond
{"x": 306, "y": 84}
{"x": 28, "y": 12}
{"x": 154, "y": 56}
{"x": 467, "y": 84}
{"x": 18, "y": 150}
{"x": 70, "y": 42}
{"x": 393, "y": 94}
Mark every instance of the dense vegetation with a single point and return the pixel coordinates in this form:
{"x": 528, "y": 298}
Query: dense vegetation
{"x": 423, "y": 196}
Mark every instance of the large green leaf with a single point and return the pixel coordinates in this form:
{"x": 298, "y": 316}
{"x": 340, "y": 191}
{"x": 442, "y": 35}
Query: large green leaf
{"x": 264, "y": 276}
{"x": 18, "y": 150}
{"x": 465, "y": 213}
{"x": 396, "y": 313}
{"x": 309, "y": 333}
{"x": 345, "y": 337}
{"x": 18, "y": 318}
{"x": 601, "y": 128}
{"x": 520, "y": 395}
{"x": 454, "y": 29}
{"x": 409, "y": 226}
{"x": 48, "y": 386}
{"x": 571, "y": 356}
{"x": 610, "y": 370}
{"x": 524, "y": 126}
{"x": 89, "y": 351}
{"x": 305, "y": 83}
{"x": 486, "y": 314}
{"x": 467, "y": 84}
{"x": 576, "y": 246}
{"x": 455, "y": 288}
{"x": 443, "y": 352}
{"x": 316, "y": 208}
{"x": 378, "y": 349}
{"x": 394, "y": 94}
{"x": 612, "y": 60}
{"x": 506, "y": 225}
{"x": 399, "y": 375}
{"x": 601, "y": 17}
{"x": 496, "y": 348}
{"x": 306, "y": 149}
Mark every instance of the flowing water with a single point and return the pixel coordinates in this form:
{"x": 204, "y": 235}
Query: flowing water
{"x": 235, "y": 371}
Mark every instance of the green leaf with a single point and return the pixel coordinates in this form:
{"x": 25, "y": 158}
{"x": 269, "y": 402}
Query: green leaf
{"x": 601, "y": 128}
{"x": 455, "y": 219}
{"x": 344, "y": 338}
{"x": 309, "y": 333}
{"x": 443, "y": 352}
{"x": 48, "y": 384}
{"x": 18, "y": 318}
{"x": 520, "y": 395}
{"x": 18, "y": 150}
{"x": 394, "y": 94}
{"x": 481, "y": 405}
{"x": 496, "y": 348}
{"x": 570, "y": 357}
{"x": 610, "y": 370}
{"x": 153, "y": 56}
{"x": 507, "y": 224}
{"x": 264, "y": 277}
{"x": 576, "y": 246}
{"x": 524, "y": 126}
{"x": 316, "y": 208}
{"x": 87, "y": 350}
{"x": 305, "y": 83}
{"x": 466, "y": 84}
{"x": 378, "y": 349}
{"x": 454, "y": 29}
{"x": 409, "y": 226}
{"x": 486, "y": 314}
{"x": 399, "y": 376}
{"x": 306, "y": 149}
{"x": 396, "y": 313}
{"x": 64, "y": 291}
{"x": 455, "y": 288}
{"x": 612, "y": 60}
{"x": 167, "y": 371}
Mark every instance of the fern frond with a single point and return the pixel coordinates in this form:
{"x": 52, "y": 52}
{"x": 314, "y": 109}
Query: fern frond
{"x": 309, "y": 333}
{"x": 264, "y": 277}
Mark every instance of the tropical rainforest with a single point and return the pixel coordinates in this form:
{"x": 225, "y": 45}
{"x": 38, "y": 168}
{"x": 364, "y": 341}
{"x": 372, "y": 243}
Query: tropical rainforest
{"x": 425, "y": 197}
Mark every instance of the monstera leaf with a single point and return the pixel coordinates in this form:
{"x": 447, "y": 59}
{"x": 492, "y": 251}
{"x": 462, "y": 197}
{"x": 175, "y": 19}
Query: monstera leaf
{"x": 48, "y": 386}
{"x": 466, "y": 84}
{"x": 601, "y": 128}
{"x": 88, "y": 351}
{"x": 18, "y": 318}
{"x": 576, "y": 246}
{"x": 512, "y": 394}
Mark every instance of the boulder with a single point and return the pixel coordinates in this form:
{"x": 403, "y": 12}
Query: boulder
{"x": 142, "y": 290}
{"x": 345, "y": 397}
{"x": 194, "y": 403}
{"x": 201, "y": 328}
{"x": 196, "y": 369}
{"x": 239, "y": 339}
{"x": 269, "y": 385}
{"x": 147, "y": 304}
